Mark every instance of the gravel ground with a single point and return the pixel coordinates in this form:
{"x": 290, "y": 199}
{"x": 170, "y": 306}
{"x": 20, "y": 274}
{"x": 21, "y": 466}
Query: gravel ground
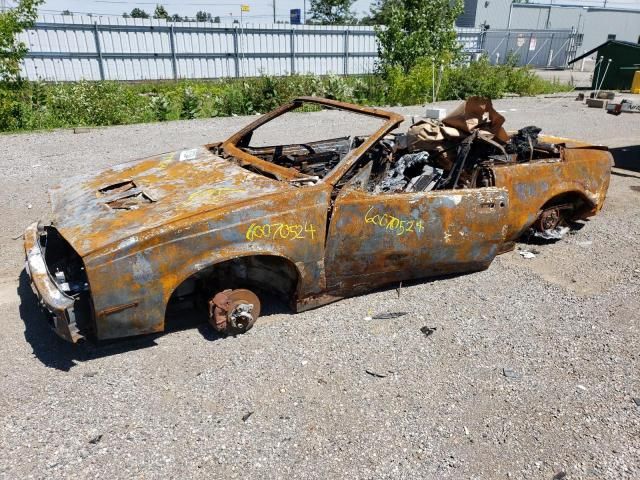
{"x": 293, "y": 399}
{"x": 571, "y": 76}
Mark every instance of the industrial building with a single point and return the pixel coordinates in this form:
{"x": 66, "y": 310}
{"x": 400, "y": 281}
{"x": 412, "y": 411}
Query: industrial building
{"x": 593, "y": 25}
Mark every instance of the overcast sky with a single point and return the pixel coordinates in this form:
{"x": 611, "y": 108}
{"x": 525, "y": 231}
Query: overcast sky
{"x": 261, "y": 11}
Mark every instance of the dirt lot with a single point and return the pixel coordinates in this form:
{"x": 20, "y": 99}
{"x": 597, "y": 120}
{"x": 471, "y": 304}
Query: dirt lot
{"x": 573, "y": 77}
{"x": 293, "y": 399}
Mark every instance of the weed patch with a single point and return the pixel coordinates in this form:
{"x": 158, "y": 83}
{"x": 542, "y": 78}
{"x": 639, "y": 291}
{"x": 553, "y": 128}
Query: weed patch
{"x": 36, "y": 105}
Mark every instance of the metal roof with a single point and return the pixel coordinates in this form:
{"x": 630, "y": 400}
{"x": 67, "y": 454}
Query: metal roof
{"x": 617, "y": 42}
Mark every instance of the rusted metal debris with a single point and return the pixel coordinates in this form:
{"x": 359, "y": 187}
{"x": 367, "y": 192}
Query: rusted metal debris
{"x": 388, "y": 315}
{"x": 625, "y": 106}
{"x": 428, "y": 331}
{"x": 221, "y": 225}
{"x": 373, "y": 373}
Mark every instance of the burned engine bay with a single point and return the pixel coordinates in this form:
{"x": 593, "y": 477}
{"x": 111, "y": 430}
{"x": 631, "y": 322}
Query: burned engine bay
{"x": 432, "y": 155}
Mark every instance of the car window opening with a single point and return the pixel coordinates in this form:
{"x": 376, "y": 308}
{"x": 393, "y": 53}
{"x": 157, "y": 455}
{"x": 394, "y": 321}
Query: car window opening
{"x": 308, "y": 149}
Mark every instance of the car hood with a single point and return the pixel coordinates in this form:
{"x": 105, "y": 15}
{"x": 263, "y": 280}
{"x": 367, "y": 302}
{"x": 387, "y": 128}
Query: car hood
{"x": 94, "y": 211}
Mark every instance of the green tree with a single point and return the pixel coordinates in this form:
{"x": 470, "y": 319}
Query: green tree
{"x": 12, "y": 22}
{"x": 139, "y": 13}
{"x": 379, "y": 13}
{"x": 203, "y": 16}
{"x": 417, "y": 29}
{"x": 176, "y": 18}
{"x": 332, "y": 12}
{"x": 161, "y": 13}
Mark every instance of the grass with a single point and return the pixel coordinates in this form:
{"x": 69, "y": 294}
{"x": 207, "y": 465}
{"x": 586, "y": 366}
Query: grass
{"x": 37, "y": 105}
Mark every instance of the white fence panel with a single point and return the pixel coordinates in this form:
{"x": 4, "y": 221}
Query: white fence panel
{"x": 71, "y": 48}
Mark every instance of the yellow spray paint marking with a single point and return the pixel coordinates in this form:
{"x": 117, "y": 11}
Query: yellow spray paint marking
{"x": 165, "y": 160}
{"x": 393, "y": 224}
{"x": 211, "y": 193}
{"x": 283, "y": 231}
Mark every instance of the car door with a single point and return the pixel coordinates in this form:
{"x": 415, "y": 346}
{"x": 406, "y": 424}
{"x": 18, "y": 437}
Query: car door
{"x": 375, "y": 239}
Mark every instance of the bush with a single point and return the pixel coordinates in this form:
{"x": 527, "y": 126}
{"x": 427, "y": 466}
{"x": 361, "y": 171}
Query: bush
{"x": 477, "y": 78}
{"x": 190, "y": 104}
{"x": 33, "y": 105}
{"x": 412, "y": 88}
{"x": 236, "y": 99}
{"x": 160, "y": 107}
{"x": 95, "y": 103}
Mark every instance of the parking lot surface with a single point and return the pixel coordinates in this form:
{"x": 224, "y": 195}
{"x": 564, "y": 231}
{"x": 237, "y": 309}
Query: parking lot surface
{"x": 531, "y": 371}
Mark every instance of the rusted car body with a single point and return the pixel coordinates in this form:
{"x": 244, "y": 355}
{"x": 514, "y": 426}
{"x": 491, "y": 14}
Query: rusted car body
{"x": 212, "y": 225}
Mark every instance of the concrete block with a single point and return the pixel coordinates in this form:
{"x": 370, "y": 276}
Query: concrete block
{"x": 595, "y": 103}
{"x": 606, "y": 95}
{"x": 436, "y": 113}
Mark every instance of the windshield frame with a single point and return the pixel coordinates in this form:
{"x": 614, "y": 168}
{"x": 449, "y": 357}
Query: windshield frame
{"x": 231, "y": 148}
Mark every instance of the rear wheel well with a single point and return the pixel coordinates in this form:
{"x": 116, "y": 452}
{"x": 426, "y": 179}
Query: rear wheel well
{"x": 573, "y": 204}
{"x": 268, "y": 276}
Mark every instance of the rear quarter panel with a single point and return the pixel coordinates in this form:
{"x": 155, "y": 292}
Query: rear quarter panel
{"x": 532, "y": 185}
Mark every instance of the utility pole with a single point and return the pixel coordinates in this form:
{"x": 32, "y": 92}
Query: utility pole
{"x": 274, "y": 11}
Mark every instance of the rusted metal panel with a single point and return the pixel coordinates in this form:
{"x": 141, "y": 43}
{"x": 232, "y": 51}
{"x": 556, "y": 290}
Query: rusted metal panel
{"x": 531, "y": 185}
{"x": 180, "y": 185}
{"x": 375, "y": 239}
{"x": 51, "y": 297}
{"x": 141, "y": 230}
{"x": 289, "y": 226}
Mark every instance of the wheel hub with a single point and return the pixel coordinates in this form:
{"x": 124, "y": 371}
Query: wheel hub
{"x": 549, "y": 219}
{"x": 234, "y": 311}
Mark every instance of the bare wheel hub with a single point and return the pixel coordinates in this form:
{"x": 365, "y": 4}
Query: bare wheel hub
{"x": 234, "y": 311}
{"x": 549, "y": 219}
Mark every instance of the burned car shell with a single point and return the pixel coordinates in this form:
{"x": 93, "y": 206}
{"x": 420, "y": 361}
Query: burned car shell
{"x": 143, "y": 228}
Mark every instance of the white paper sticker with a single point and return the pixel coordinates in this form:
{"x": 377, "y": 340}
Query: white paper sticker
{"x": 188, "y": 154}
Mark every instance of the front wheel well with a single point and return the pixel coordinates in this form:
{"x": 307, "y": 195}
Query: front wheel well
{"x": 266, "y": 275}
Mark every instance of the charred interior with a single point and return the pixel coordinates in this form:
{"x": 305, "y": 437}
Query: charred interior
{"x": 457, "y": 152}
{"x": 399, "y": 163}
{"x": 67, "y": 271}
{"x": 313, "y": 159}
